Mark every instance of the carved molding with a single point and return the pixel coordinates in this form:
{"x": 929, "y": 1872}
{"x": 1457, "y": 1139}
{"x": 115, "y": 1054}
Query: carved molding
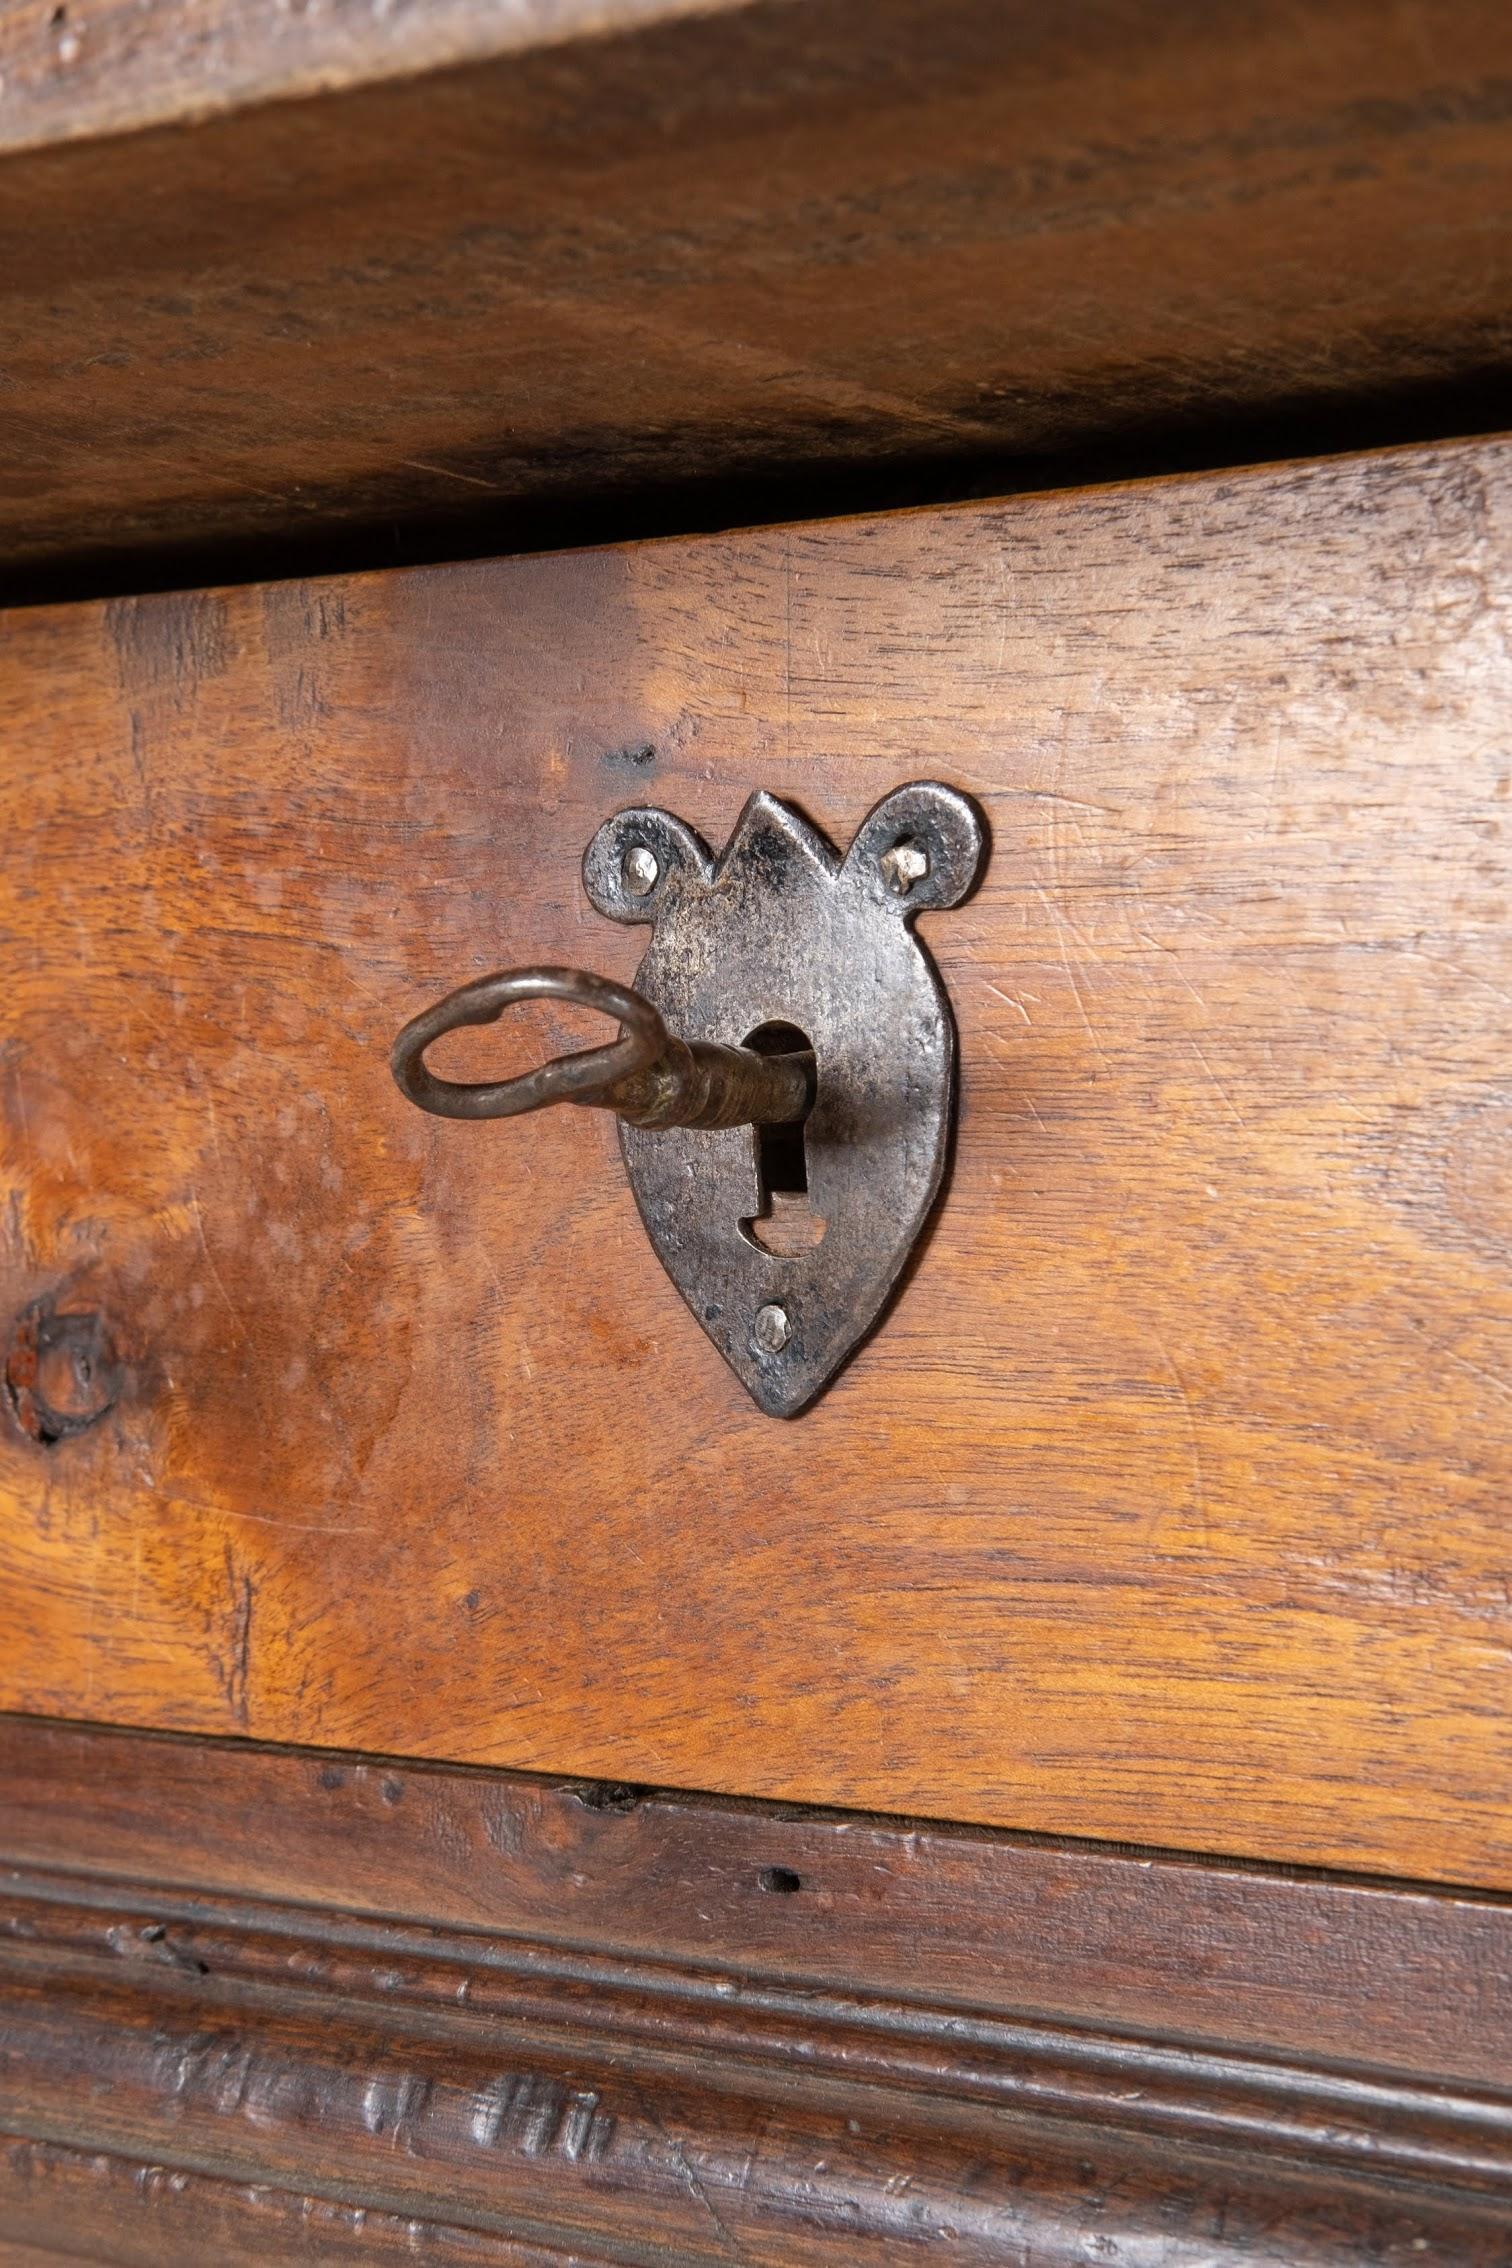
{"x": 192, "y": 2068}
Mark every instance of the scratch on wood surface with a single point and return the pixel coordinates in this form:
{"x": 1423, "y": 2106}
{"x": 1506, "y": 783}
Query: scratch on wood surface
{"x": 1004, "y": 609}
{"x": 137, "y": 740}
{"x": 1009, "y": 1001}
{"x": 215, "y": 1274}
{"x": 1201, "y": 1054}
{"x": 1070, "y": 975}
{"x": 694, "y": 2185}
{"x": 1477, "y": 1370}
{"x": 446, "y": 472}
{"x": 1267, "y": 823}
{"x": 277, "y": 1520}
{"x": 1194, "y": 1442}
{"x": 1072, "y": 802}
{"x": 217, "y": 478}
{"x": 1174, "y": 958}
{"x": 260, "y": 1519}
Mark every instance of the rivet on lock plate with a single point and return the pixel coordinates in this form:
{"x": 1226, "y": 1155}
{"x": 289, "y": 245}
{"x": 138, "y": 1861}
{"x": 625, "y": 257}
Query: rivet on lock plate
{"x": 785, "y": 1070}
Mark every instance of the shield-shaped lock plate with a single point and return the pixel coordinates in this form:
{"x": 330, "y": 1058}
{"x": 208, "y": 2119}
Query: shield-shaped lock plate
{"x": 782, "y": 936}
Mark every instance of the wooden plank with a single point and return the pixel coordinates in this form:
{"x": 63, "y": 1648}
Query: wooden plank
{"x": 1169, "y": 1504}
{"x": 572, "y": 270}
{"x": 1308, "y": 1968}
{"x": 351, "y": 2007}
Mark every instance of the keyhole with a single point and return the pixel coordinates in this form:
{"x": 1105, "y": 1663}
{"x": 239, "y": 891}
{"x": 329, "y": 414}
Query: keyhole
{"x": 784, "y": 1223}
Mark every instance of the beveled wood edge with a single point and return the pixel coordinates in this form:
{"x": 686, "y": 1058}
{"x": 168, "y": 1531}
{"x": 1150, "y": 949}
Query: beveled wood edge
{"x": 124, "y": 66}
{"x": 532, "y": 2107}
{"x": 245, "y": 1991}
{"x": 54, "y": 1927}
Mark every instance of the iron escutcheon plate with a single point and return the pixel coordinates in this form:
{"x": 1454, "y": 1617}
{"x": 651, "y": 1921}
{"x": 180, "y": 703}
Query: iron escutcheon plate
{"x": 781, "y": 930}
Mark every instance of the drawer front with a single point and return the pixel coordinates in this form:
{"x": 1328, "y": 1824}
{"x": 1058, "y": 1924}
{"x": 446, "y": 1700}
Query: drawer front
{"x": 1169, "y": 1502}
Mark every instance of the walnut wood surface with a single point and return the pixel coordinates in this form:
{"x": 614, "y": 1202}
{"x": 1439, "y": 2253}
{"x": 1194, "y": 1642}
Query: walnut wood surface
{"x": 1170, "y": 1502}
{"x": 726, "y": 242}
{"x": 266, "y": 2006}
{"x": 1411, "y": 1979}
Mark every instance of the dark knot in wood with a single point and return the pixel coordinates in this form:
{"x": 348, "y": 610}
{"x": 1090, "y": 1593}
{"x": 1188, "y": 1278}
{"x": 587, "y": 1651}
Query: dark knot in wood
{"x": 62, "y": 1372}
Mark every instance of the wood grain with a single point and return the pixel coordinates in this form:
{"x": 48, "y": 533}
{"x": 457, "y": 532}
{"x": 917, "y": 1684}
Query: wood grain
{"x": 260, "y": 2005}
{"x": 727, "y": 243}
{"x": 1305, "y": 1968}
{"x": 1170, "y": 1502}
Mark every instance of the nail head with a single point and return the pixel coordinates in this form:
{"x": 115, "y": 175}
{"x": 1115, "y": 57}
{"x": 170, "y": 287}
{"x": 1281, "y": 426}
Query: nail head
{"x": 771, "y": 1329}
{"x": 902, "y": 866}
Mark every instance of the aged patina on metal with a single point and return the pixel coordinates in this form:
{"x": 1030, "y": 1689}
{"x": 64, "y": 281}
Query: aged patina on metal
{"x": 785, "y": 1070}
{"x": 649, "y": 1077}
